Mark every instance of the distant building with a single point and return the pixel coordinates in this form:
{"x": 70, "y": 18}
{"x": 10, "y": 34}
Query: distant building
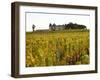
{"x": 56, "y": 27}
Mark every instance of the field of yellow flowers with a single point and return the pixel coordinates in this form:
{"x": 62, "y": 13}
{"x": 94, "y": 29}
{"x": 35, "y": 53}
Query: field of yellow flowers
{"x": 56, "y": 48}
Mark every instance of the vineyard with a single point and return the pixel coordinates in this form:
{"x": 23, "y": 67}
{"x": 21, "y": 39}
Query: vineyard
{"x": 56, "y": 48}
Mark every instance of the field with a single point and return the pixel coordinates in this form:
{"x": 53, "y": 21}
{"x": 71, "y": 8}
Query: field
{"x": 56, "y": 48}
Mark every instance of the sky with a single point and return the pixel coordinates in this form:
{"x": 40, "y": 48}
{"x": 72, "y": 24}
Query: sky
{"x": 42, "y": 19}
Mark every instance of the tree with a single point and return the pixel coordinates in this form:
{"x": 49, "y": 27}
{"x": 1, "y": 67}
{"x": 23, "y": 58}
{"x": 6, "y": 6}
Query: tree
{"x": 69, "y": 26}
{"x": 74, "y": 26}
{"x": 33, "y": 27}
{"x": 82, "y": 26}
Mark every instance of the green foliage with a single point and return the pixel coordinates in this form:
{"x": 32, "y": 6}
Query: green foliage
{"x": 85, "y": 59}
{"x": 57, "y": 48}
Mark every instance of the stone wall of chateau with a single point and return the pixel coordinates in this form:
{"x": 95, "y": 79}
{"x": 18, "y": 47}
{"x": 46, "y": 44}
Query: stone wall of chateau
{"x": 57, "y": 27}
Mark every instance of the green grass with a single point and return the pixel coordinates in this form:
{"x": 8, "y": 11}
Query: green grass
{"x": 55, "y": 48}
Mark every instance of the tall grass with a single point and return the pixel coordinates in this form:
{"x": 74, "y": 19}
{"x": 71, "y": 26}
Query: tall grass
{"x": 57, "y": 48}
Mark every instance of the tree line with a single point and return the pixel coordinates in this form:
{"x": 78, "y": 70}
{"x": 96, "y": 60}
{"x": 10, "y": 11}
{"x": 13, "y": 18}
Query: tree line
{"x": 68, "y": 26}
{"x": 64, "y": 26}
